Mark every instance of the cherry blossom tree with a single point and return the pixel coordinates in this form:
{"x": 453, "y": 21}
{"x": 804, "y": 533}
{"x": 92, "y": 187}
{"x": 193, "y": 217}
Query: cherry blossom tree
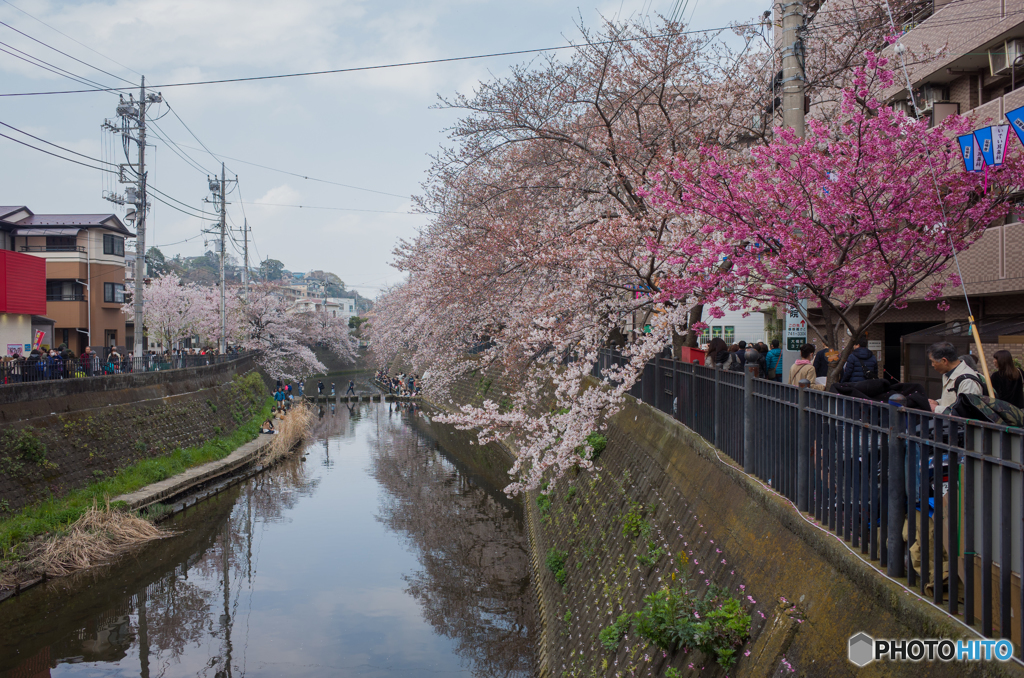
{"x": 328, "y": 331}
{"x": 857, "y": 219}
{"x": 555, "y": 231}
{"x": 170, "y": 309}
{"x": 269, "y": 328}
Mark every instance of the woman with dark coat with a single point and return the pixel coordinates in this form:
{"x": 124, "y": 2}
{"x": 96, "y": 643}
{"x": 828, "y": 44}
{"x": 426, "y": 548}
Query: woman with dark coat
{"x": 718, "y": 353}
{"x": 1007, "y": 381}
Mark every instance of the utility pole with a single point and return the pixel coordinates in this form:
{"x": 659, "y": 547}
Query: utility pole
{"x": 135, "y": 111}
{"x": 245, "y": 255}
{"x": 140, "y": 228}
{"x": 794, "y": 92}
{"x": 219, "y": 189}
{"x": 794, "y": 84}
{"x": 223, "y": 253}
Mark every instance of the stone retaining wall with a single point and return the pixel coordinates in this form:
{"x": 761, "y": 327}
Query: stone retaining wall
{"x": 808, "y": 593}
{"x": 59, "y": 452}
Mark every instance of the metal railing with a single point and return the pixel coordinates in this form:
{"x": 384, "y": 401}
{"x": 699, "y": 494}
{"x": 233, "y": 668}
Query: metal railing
{"x": 71, "y": 296}
{"x": 34, "y": 369}
{"x": 859, "y": 468}
{"x": 53, "y": 248}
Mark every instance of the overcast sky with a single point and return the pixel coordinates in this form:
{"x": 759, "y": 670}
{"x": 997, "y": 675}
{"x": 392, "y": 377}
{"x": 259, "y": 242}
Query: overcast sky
{"x": 373, "y": 130}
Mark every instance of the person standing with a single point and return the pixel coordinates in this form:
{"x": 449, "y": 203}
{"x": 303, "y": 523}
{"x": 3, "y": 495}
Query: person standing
{"x": 957, "y": 376}
{"x": 773, "y": 362}
{"x": 302, "y": 388}
{"x": 333, "y": 391}
{"x": 1007, "y": 380}
{"x": 821, "y": 366}
{"x": 320, "y": 388}
{"x": 351, "y": 387}
{"x": 862, "y": 364}
{"x": 804, "y": 369}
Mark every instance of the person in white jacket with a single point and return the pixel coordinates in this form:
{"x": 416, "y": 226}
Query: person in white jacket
{"x": 957, "y": 376}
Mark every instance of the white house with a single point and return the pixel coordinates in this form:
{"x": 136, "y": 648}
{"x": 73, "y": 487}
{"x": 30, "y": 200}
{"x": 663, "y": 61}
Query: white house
{"x": 733, "y": 327}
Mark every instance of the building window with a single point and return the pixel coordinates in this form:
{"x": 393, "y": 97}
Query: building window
{"x": 113, "y": 244}
{"x": 61, "y": 243}
{"x": 113, "y": 293}
{"x": 64, "y": 290}
{"x": 716, "y": 331}
{"x": 730, "y": 334}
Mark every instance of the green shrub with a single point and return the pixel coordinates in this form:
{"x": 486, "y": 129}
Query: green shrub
{"x": 674, "y": 617}
{"x": 634, "y": 524}
{"x": 544, "y": 504}
{"x": 611, "y": 635}
{"x": 653, "y": 554}
{"x": 555, "y": 562}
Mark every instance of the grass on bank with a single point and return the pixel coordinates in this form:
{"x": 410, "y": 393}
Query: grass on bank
{"x": 58, "y": 513}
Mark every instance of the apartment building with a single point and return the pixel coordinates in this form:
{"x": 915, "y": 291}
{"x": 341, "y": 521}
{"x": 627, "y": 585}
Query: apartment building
{"x": 85, "y": 271}
{"x": 979, "y": 72}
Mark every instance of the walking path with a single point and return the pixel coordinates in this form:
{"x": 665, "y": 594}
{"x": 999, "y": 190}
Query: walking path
{"x": 176, "y": 485}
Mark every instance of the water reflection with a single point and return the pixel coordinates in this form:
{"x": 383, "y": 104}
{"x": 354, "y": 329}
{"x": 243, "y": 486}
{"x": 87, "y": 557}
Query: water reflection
{"x": 473, "y": 581}
{"x": 373, "y": 556}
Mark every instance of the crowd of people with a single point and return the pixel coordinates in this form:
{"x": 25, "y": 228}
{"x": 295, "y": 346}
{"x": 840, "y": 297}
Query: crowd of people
{"x": 399, "y": 384}
{"x": 44, "y": 363}
{"x": 960, "y": 374}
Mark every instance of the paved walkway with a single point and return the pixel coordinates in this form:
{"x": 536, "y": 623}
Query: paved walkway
{"x": 157, "y": 492}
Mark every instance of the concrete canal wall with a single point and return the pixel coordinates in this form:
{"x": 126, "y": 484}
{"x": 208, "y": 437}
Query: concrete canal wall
{"x": 80, "y": 430}
{"x": 806, "y": 592}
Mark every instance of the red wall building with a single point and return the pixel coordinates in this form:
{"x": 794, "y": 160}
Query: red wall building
{"x": 22, "y": 283}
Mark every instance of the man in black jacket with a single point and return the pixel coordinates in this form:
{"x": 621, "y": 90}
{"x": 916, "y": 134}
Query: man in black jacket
{"x": 862, "y": 364}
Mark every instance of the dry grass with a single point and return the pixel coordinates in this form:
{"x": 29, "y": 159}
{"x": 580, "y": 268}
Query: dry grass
{"x": 99, "y": 536}
{"x": 291, "y": 429}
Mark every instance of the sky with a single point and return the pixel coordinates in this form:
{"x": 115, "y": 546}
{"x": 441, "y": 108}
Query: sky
{"x": 373, "y": 131}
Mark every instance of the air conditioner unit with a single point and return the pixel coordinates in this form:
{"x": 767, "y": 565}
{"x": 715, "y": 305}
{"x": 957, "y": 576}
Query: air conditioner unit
{"x": 905, "y": 107}
{"x": 1002, "y": 56}
{"x": 930, "y": 95}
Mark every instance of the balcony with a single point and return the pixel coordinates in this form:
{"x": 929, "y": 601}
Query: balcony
{"x": 53, "y": 248}
{"x": 75, "y": 296}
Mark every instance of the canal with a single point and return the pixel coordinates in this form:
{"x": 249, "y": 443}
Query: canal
{"x": 376, "y": 552}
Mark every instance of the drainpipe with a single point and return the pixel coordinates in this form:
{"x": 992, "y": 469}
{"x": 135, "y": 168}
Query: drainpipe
{"x": 88, "y": 283}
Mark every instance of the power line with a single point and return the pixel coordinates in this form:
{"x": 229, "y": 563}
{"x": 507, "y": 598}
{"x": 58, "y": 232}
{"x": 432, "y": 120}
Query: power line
{"x": 340, "y": 209}
{"x": 56, "y": 70}
{"x": 56, "y": 155}
{"x": 426, "y": 62}
{"x": 301, "y": 176}
{"x": 177, "y": 150}
{"x": 64, "y": 53}
{"x": 70, "y": 38}
{"x": 192, "y": 133}
{"x": 50, "y": 143}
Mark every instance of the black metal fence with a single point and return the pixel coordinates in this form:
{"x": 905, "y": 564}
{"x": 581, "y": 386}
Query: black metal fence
{"x": 860, "y": 468}
{"x": 33, "y": 369}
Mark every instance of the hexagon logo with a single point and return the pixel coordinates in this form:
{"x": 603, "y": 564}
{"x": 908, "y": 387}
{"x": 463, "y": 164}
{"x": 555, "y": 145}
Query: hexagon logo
{"x": 862, "y": 649}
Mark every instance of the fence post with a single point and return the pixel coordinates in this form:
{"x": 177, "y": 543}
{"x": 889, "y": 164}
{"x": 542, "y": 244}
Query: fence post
{"x": 803, "y": 451}
{"x": 715, "y": 402}
{"x": 748, "y": 414}
{"x": 897, "y": 498}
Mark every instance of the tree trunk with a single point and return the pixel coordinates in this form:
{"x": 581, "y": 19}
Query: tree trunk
{"x": 696, "y": 313}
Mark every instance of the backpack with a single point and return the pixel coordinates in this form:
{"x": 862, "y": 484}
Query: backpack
{"x": 866, "y": 372}
{"x": 983, "y": 408}
{"x": 977, "y": 378}
{"x": 733, "y": 364}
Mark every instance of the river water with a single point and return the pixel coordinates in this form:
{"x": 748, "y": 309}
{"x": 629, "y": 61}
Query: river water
{"x": 377, "y": 554}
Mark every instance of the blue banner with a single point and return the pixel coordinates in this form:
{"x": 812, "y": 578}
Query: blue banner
{"x": 1016, "y": 118}
{"x": 970, "y": 152}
